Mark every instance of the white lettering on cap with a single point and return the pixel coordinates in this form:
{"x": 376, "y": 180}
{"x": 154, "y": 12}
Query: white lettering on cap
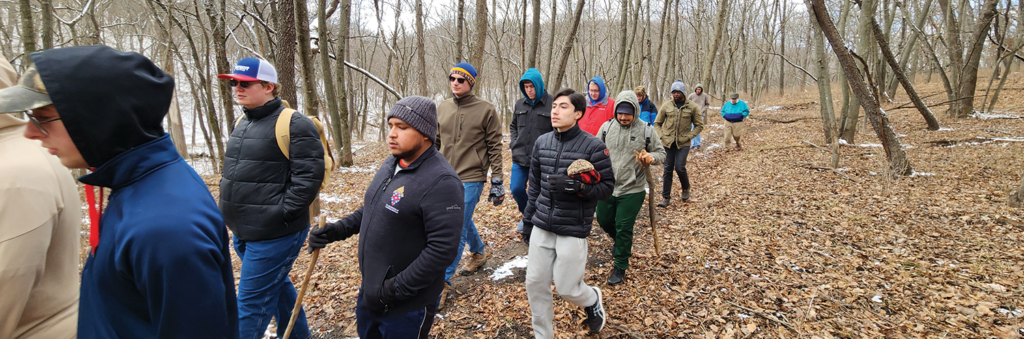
{"x": 241, "y": 68}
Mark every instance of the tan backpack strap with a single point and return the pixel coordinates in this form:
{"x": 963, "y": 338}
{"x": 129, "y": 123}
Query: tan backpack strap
{"x": 282, "y": 131}
{"x": 328, "y": 157}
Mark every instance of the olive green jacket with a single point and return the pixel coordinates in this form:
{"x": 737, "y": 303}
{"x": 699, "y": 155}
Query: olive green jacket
{"x": 673, "y": 123}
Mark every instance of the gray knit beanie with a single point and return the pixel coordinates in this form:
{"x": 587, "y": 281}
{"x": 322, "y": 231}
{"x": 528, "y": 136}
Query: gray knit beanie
{"x": 678, "y": 86}
{"x": 419, "y": 112}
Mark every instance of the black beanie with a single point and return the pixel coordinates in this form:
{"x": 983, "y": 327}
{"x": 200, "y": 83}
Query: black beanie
{"x": 419, "y": 112}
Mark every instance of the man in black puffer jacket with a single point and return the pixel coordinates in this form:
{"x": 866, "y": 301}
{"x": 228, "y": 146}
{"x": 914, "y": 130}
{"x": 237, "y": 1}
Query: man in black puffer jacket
{"x": 560, "y": 213}
{"x": 265, "y": 197}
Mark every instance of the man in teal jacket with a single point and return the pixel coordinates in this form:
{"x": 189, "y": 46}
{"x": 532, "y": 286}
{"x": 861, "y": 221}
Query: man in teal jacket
{"x": 734, "y": 111}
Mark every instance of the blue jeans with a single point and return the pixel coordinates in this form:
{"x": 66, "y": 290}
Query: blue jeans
{"x": 469, "y": 233}
{"x": 414, "y": 324}
{"x": 520, "y": 176}
{"x": 264, "y": 290}
{"x": 695, "y": 143}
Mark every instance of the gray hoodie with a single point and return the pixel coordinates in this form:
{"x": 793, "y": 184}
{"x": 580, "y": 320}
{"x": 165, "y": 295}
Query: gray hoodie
{"x": 623, "y": 140}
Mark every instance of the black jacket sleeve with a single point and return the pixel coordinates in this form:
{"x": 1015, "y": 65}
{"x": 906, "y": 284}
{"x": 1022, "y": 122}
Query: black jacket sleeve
{"x": 443, "y": 227}
{"x": 533, "y": 190}
{"x": 603, "y": 164}
{"x": 306, "y": 163}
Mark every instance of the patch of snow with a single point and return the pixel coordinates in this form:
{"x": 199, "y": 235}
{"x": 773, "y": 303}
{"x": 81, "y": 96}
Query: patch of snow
{"x": 946, "y": 129}
{"x": 843, "y": 169}
{"x": 923, "y": 174}
{"x": 1016, "y": 312}
{"x": 773, "y": 108}
{"x": 877, "y": 299}
{"x": 995, "y": 115}
{"x": 332, "y": 198}
{"x": 869, "y": 145}
{"x": 1014, "y": 139}
{"x": 357, "y": 169}
{"x": 742, "y": 316}
{"x": 715, "y": 107}
{"x": 505, "y": 270}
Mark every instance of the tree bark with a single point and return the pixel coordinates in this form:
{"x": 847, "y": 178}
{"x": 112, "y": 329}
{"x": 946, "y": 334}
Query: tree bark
{"x": 460, "y": 24}
{"x": 531, "y": 62}
{"x": 323, "y": 43}
{"x": 285, "y": 63}
{"x": 908, "y": 48}
{"x": 551, "y": 44}
{"x": 47, "y": 16}
{"x": 655, "y": 91}
{"x": 898, "y": 163}
{"x": 476, "y": 55}
{"x": 340, "y": 118}
{"x": 28, "y": 32}
{"x": 569, "y": 40}
{"x": 969, "y": 78}
{"x": 883, "y": 44}
{"x": 221, "y": 58}
{"x": 849, "y": 128}
{"x": 709, "y": 59}
{"x": 828, "y": 117}
{"x": 311, "y": 102}
{"x": 421, "y": 52}
{"x": 782, "y": 51}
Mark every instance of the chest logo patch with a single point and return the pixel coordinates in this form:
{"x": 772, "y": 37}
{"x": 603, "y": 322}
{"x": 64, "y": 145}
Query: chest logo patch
{"x": 397, "y": 195}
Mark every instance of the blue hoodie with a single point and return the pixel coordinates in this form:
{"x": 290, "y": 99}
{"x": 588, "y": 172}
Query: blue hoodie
{"x": 162, "y": 268}
{"x": 600, "y": 98}
{"x": 598, "y": 111}
{"x": 648, "y": 111}
{"x": 532, "y": 75}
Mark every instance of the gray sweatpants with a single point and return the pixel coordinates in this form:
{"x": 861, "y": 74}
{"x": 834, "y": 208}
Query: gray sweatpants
{"x": 562, "y": 259}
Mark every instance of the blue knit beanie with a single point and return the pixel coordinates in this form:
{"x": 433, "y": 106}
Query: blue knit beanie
{"x": 466, "y": 70}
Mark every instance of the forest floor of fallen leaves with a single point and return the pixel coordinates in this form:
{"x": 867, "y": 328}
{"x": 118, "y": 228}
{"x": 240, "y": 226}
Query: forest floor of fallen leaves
{"x": 771, "y": 244}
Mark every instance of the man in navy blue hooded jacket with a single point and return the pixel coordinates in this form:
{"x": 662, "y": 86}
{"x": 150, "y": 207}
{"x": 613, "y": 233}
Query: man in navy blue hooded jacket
{"x": 532, "y": 118}
{"x": 160, "y": 266}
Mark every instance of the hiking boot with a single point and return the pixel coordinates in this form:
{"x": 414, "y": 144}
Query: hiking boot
{"x": 595, "y": 314}
{"x": 444, "y": 295}
{"x": 686, "y": 194}
{"x": 476, "y": 260}
{"x": 617, "y": 277}
{"x": 663, "y": 203}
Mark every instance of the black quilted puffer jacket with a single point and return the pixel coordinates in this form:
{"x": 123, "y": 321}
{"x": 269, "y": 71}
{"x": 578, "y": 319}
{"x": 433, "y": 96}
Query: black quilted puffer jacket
{"x": 559, "y": 213}
{"x": 263, "y": 194}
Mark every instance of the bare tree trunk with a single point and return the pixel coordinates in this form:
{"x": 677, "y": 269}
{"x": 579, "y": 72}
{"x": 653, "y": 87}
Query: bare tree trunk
{"x": 655, "y": 91}
{"x": 567, "y": 46}
{"x": 476, "y": 55}
{"x": 969, "y": 83}
{"x": 908, "y": 48}
{"x": 459, "y": 28}
{"x": 782, "y": 51}
{"x": 285, "y": 63}
{"x": 28, "y": 33}
{"x": 174, "y": 124}
{"x": 894, "y": 152}
{"x": 1017, "y": 198}
{"x": 883, "y": 44}
{"x": 531, "y": 62}
{"x": 709, "y": 59}
{"x": 340, "y": 118}
{"x": 311, "y": 102}
{"x": 221, "y": 57}
{"x": 47, "y": 15}
{"x": 828, "y": 117}
{"x": 421, "y": 52}
{"x": 551, "y": 44}
{"x": 849, "y": 129}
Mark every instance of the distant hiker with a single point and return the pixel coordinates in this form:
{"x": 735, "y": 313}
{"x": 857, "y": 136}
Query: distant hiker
{"x": 674, "y": 126}
{"x": 648, "y": 110}
{"x": 531, "y": 119}
{"x": 599, "y": 106}
{"x": 158, "y": 265}
{"x": 409, "y": 227}
{"x": 265, "y": 195}
{"x": 40, "y": 221}
{"x": 562, "y": 209}
{"x": 617, "y": 214}
{"x": 703, "y": 101}
{"x": 734, "y": 111}
{"x": 469, "y": 136}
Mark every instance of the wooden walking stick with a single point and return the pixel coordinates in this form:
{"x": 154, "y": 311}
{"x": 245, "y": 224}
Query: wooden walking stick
{"x": 305, "y": 284}
{"x": 650, "y": 203}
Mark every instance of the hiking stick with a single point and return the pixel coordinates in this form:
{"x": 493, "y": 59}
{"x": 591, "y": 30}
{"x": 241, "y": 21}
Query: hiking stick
{"x": 305, "y": 284}
{"x": 650, "y": 204}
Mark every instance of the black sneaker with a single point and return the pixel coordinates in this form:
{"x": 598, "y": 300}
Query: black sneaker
{"x": 663, "y": 203}
{"x": 595, "y": 314}
{"x": 617, "y": 277}
{"x": 686, "y": 194}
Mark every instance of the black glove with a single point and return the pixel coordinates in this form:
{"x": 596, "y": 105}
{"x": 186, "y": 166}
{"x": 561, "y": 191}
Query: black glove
{"x": 565, "y": 184}
{"x": 527, "y": 231}
{"x": 320, "y": 237}
{"x": 497, "y": 195}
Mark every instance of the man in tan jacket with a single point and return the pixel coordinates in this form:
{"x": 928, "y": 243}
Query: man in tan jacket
{"x": 40, "y": 219}
{"x": 469, "y": 137}
{"x": 678, "y": 122}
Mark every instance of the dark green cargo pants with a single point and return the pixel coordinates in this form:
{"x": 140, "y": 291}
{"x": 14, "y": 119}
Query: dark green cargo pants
{"x": 616, "y": 215}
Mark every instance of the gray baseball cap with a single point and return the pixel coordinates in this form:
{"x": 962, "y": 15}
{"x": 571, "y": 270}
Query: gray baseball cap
{"x": 28, "y": 93}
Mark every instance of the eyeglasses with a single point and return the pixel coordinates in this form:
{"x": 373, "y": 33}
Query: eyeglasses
{"x": 460, "y": 80}
{"x": 244, "y": 84}
{"x": 39, "y": 124}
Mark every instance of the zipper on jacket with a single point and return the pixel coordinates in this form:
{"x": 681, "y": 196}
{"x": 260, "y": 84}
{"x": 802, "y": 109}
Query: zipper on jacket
{"x": 373, "y": 206}
{"x": 558, "y": 156}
